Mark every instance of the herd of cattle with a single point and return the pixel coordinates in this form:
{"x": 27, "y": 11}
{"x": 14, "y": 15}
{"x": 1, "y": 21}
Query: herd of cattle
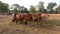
{"x": 25, "y": 17}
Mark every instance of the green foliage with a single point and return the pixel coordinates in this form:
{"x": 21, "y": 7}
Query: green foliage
{"x": 15, "y": 7}
{"x": 3, "y": 7}
{"x": 22, "y": 7}
{"x": 40, "y": 6}
{"x": 24, "y": 10}
{"x": 32, "y": 9}
{"x": 51, "y": 6}
{"x": 58, "y": 9}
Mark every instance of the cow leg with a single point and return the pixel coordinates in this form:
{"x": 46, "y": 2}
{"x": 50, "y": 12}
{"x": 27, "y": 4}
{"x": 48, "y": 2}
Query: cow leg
{"x": 37, "y": 20}
{"x": 25, "y": 23}
{"x": 20, "y": 22}
{"x": 30, "y": 18}
{"x": 40, "y": 18}
{"x": 16, "y": 21}
{"x": 33, "y": 19}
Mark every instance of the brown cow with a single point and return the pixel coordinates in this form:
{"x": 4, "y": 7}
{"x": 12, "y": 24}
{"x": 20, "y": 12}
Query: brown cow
{"x": 29, "y": 16}
{"x": 20, "y": 17}
{"x": 24, "y": 17}
{"x": 35, "y": 17}
{"x": 45, "y": 16}
{"x": 40, "y": 17}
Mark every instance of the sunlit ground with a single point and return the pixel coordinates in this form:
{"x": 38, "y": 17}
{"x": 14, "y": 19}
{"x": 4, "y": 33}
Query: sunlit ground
{"x": 49, "y": 26}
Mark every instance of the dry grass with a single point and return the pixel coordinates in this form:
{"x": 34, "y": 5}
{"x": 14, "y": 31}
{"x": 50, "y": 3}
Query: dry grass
{"x": 50, "y": 26}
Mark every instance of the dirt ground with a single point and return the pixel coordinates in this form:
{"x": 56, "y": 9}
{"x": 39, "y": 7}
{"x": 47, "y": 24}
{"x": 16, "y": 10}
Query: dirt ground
{"x": 50, "y": 26}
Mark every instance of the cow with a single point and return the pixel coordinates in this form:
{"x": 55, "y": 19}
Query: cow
{"x": 20, "y": 17}
{"x": 44, "y": 16}
{"x": 40, "y": 17}
{"x": 35, "y": 17}
{"x": 25, "y": 17}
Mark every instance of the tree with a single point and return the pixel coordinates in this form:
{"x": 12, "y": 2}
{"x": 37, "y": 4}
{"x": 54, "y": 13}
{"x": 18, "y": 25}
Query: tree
{"x": 40, "y": 6}
{"x": 45, "y": 11}
{"x": 32, "y": 9}
{"x": 51, "y": 6}
{"x": 24, "y": 10}
{"x": 57, "y": 9}
{"x": 15, "y": 7}
{"x": 4, "y": 7}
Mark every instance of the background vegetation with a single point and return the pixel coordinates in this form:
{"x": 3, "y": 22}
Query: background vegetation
{"x": 4, "y": 8}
